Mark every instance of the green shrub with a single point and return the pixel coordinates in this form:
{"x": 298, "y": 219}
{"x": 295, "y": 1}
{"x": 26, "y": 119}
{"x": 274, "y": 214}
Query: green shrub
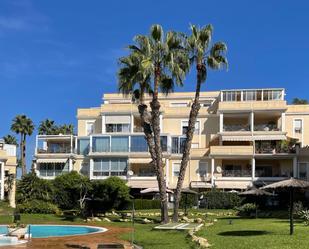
{"x": 70, "y": 188}
{"x": 304, "y": 214}
{"x": 221, "y": 200}
{"x": 246, "y": 209}
{"x": 38, "y": 207}
{"x": 140, "y": 204}
{"x": 191, "y": 201}
{"x": 112, "y": 193}
{"x": 31, "y": 187}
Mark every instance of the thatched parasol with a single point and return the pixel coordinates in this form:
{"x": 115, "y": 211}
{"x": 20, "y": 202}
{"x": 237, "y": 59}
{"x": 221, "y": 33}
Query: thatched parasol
{"x": 289, "y": 185}
{"x": 186, "y": 192}
{"x": 255, "y": 192}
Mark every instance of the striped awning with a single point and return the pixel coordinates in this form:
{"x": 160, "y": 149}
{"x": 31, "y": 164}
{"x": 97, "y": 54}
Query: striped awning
{"x": 270, "y": 137}
{"x": 140, "y": 160}
{"x": 237, "y": 138}
{"x": 254, "y": 138}
{"x": 52, "y": 160}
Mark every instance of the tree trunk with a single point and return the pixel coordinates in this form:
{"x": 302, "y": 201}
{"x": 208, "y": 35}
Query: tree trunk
{"x": 23, "y": 166}
{"x": 155, "y": 116}
{"x": 187, "y": 148}
{"x": 291, "y": 210}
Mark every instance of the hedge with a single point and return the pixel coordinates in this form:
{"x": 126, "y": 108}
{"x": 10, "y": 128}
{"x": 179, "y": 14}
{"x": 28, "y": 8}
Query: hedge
{"x": 140, "y": 204}
{"x": 38, "y": 207}
{"x": 221, "y": 200}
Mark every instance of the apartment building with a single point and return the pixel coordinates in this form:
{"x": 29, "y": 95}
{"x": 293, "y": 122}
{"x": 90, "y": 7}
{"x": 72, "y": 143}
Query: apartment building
{"x": 8, "y": 165}
{"x": 242, "y": 138}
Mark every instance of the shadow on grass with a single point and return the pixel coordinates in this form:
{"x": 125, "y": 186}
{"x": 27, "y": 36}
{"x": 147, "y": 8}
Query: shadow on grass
{"x": 244, "y": 233}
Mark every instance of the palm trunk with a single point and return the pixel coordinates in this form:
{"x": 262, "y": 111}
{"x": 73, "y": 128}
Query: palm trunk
{"x": 155, "y": 108}
{"x": 21, "y": 147}
{"x": 24, "y": 171}
{"x": 186, "y": 154}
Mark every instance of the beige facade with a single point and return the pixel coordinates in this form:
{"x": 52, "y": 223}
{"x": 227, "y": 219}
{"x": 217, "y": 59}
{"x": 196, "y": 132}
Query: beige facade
{"x": 242, "y": 137}
{"x": 8, "y": 164}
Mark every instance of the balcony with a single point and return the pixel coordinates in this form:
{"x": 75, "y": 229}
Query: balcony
{"x": 236, "y": 127}
{"x": 55, "y": 144}
{"x": 275, "y": 147}
{"x": 236, "y": 173}
{"x": 55, "y": 149}
{"x": 231, "y": 150}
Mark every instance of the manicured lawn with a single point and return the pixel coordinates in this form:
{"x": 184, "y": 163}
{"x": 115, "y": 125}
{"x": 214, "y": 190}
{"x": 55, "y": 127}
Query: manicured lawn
{"x": 255, "y": 233}
{"x": 226, "y": 233}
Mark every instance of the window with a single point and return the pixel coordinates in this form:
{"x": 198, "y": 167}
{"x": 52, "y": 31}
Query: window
{"x": 120, "y": 144}
{"x": 53, "y": 169}
{"x": 163, "y": 140}
{"x": 249, "y": 95}
{"x": 272, "y": 94}
{"x": 138, "y": 144}
{"x": 110, "y": 167}
{"x": 194, "y": 146}
{"x": 231, "y": 96}
{"x": 184, "y": 127}
{"x": 303, "y": 170}
{"x": 89, "y": 127}
{"x": 202, "y": 169}
{"x": 178, "y": 144}
{"x": 179, "y": 104}
{"x": 117, "y": 128}
{"x": 298, "y": 125}
{"x": 83, "y": 146}
{"x": 100, "y": 144}
{"x": 176, "y": 169}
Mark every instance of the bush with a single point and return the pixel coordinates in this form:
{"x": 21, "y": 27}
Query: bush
{"x": 31, "y": 187}
{"x": 70, "y": 189}
{"x": 112, "y": 193}
{"x": 221, "y": 200}
{"x": 246, "y": 209}
{"x": 38, "y": 207}
{"x": 304, "y": 214}
{"x": 140, "y": 204}
{"x": 191, "y": 201}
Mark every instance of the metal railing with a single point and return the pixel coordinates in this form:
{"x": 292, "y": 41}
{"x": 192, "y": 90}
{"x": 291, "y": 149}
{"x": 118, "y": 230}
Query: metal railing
{"x": 236, "y": 173}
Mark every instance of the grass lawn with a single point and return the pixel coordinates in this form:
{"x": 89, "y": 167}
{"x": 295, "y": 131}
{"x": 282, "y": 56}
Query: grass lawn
{"x": 255, "y": 233}
{"x": 241, "y": 234}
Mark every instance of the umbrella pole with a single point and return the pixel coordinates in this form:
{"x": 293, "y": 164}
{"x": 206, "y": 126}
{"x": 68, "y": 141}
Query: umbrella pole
{"x": 291, "y": 210}
{"x": 256, "y": 211}
{"x": 186, "y": 204}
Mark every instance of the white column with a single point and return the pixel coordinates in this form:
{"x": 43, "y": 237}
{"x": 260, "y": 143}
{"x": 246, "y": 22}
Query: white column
{"x": 283, "y": 121}
{"x": 221, "y": 122}
{"x": 2, "y": 182}
{"x": 295, "y": 166}
{"x": 71, "y": 143}
{"x": 252, "y": 121}
{"x": 70, "y": 164}
{"x": 161, "y": 122}
{"x": 253, "y": 168}
{"x": 90, "y": 144}
{"x": 167, "y": 169}
{"x": 103, "y": 124}
{"x": 132, "y": 123}
{"x": 212, "y": 172}
{"x": 91, "y": 169}
{"x": 36, "y": 144}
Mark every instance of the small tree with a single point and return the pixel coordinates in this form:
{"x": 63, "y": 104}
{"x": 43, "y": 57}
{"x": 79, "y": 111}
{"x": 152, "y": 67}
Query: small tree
{"x": 9, "y": 139}
{"x": 71, "y": 190}
{"x": 31, "y": 187}
{"x": 112, "y": 193}
{"x": 297, "y": 101}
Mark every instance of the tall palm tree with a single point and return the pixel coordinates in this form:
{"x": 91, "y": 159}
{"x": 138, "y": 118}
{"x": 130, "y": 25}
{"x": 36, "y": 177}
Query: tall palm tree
{"x": 9, "y": 139}
{"x": 155, "y": 61}
{"x": 202, "y": 55}
{"x": 24, "y": 126}
{"x": 47, "y": 127}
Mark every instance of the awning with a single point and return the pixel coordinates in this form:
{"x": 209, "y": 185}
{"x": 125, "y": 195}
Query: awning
{"x": 52, "y": 160}
{"x": 121, "y": 119}
{"x": 237, "y": 138}
{"x": 140, "y": 160}
{"x": 270, "y": 137}
{"x": 154, "y": 190}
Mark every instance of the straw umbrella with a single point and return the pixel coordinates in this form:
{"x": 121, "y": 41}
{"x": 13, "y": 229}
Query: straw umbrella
{"x": 187, "y": 192}
{"x": 257, "y": 193}
{"x": 290, "y": 185}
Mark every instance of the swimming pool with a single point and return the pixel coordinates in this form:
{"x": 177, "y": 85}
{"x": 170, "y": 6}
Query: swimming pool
{"x": 44, "y": 231}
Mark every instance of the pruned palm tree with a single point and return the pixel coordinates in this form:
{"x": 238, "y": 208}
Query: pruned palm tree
{"x": 47, "y": 127}
{"x": 65, "y": 129}
{"x": 24, "y": 126}
{"x": 203, "y": 55}
{"x": 155, "y": 61}
{"x": 9, "y": 139}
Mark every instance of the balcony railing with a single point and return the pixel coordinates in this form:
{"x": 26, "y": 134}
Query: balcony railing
{"x": 237, "y": 127}
{"x": 236, "y": 173}
{"x": 54, "y": 150}
{"x": 266, "y": 127}
{"x": 268, "y": 173}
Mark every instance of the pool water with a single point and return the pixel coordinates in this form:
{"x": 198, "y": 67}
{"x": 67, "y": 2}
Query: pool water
{"x": 44, "y": 231}
{"x": 3, "y": 229}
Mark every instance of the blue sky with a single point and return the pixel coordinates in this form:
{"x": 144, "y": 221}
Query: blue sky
{"x": 56, "y": 56}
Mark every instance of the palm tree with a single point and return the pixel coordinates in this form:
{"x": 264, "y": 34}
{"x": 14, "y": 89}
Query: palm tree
{"x": 65, "y": 129}
{"x": 202, "y": 55}
{"x": 159, "y": 58}
{"x": 9, "y": 139}
{"x": 24, "y": 126}
{"x": 297, "y": 101}
{"x": 47, "y": 127}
